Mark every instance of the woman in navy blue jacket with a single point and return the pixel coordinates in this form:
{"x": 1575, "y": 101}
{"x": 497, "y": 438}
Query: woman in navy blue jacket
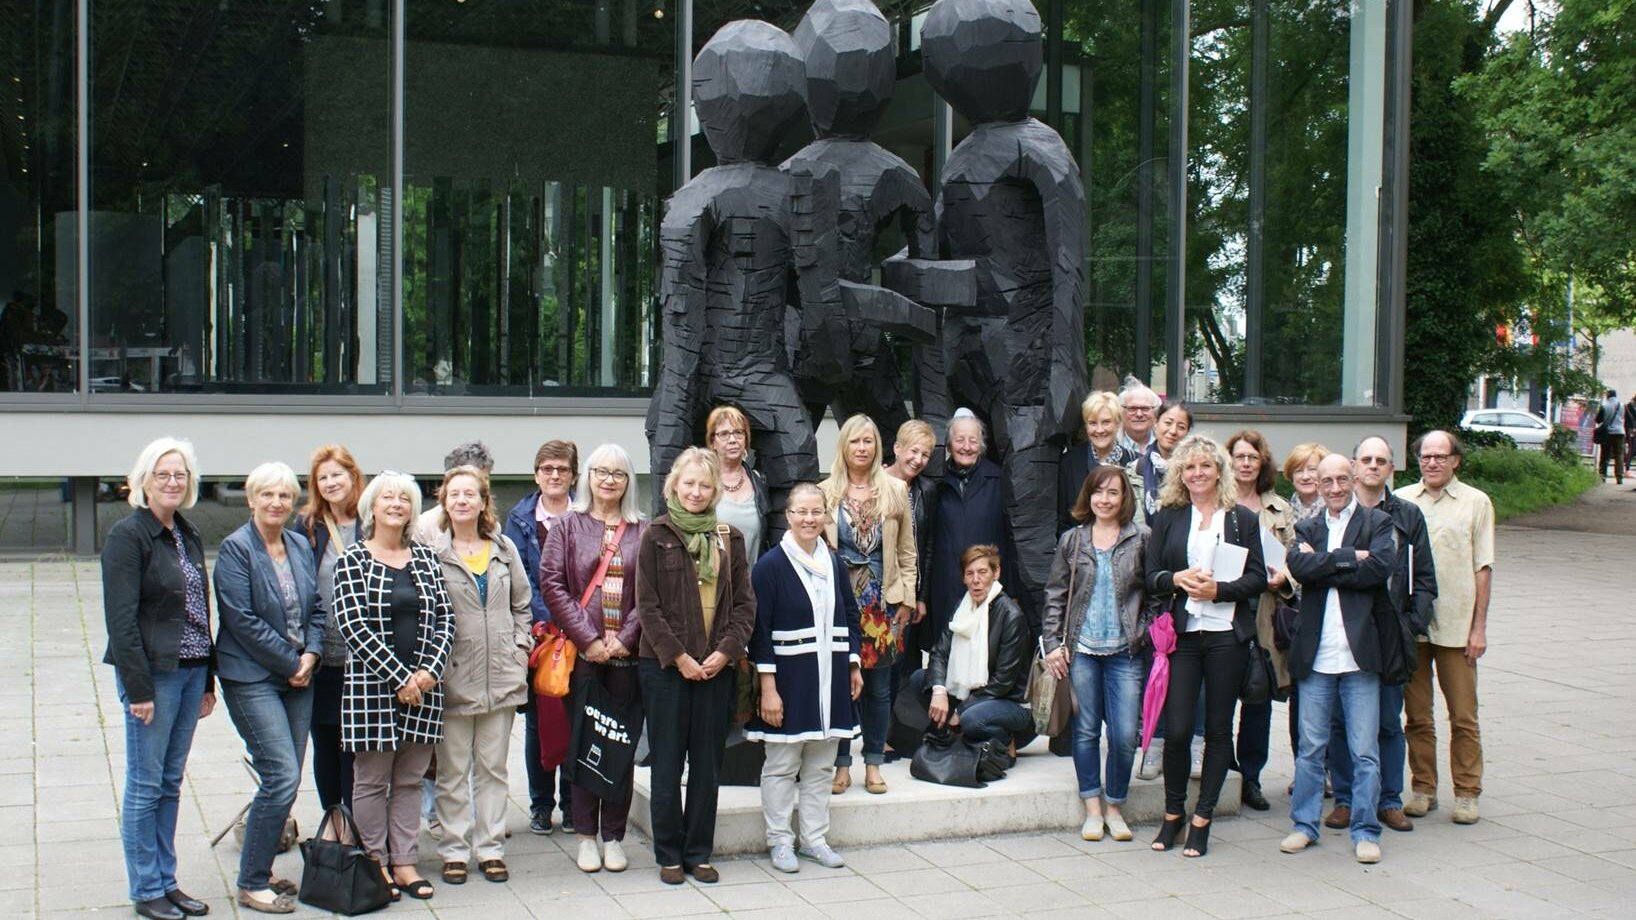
{"x": 806, "y": 637}
{"x": 270, "y": 642}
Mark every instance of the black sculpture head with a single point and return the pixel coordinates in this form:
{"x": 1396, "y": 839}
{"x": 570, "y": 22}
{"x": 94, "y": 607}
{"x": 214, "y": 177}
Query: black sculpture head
{"x": 749, "y": 89}
{"x": 983, "y": 56}
{"x": 851, "y": 72}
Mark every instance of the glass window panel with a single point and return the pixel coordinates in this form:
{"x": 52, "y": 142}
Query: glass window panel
{"x": 240, "y": 163}
{"x": 530, "y": 215}
{"x": 39, "y": 308}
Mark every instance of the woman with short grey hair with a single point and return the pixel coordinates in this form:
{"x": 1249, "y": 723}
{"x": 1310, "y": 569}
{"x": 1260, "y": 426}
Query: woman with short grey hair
{"x": 271, "y": 641}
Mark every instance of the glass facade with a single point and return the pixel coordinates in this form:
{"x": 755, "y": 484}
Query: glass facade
{"x": 395, "y": 201}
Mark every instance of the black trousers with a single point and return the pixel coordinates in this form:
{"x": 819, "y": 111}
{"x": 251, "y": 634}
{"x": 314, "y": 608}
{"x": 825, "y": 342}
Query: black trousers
{"x": 687, "y": 723}
{"x": 1613, "y": 450}
{"x": 1254, "y": 739}
{"x": 541, "y": 780}
{"x": 1216, "y": 661}
{"x": 331, "y": 766}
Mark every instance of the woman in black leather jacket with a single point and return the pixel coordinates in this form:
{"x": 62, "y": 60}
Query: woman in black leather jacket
{"x": 977, "y": 680}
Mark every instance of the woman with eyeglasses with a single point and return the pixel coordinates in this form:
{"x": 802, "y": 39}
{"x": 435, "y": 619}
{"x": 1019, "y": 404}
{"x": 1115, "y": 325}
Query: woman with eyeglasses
{"x": 744, "y": 503}
{"x": 556, "y": 470}
{"x": 586, "y": 575}
{"x": 158, "y": 617}
{"x": 697, "y": 609}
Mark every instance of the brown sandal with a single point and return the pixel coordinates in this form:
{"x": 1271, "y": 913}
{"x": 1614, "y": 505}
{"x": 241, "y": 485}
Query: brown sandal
{"x": 454, "y": 873}
{"x": 495, "y": 870}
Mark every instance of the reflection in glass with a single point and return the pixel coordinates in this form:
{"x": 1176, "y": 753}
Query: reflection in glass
{"x": 240, "y": 157}
{"x": 39, "y": 312}
{"x": 533, "y": 162}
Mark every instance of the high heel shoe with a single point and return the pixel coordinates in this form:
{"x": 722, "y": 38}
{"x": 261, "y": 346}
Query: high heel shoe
{"x": 1166, "y": 838}
{"x": 1198, "y": 840}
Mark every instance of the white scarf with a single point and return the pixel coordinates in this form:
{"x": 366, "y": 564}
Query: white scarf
{"x": 968, "y": 651}
{"x": 817, "y": 573}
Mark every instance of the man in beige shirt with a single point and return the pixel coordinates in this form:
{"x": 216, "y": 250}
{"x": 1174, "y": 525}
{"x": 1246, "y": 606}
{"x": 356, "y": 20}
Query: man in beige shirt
{"x": 1460, "y": 524}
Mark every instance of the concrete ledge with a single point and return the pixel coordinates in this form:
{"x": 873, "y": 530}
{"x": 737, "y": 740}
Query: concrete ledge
{"x": 1039, "y": 794}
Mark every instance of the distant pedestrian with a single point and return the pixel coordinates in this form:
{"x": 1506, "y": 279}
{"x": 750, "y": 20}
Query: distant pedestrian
{"x": 1460, "y": 523}
{"x": 1630, "y": 432}
{"x": 1610, "y": 422}
{"x": 157, "y": 612}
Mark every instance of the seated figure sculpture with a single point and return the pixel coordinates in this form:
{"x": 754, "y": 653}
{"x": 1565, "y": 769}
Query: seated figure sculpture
{"x": 733, "y": 240}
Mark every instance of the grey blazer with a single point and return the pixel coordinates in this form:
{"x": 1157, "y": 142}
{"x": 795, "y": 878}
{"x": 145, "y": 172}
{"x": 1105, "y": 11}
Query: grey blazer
{"x": 252, "y": 643}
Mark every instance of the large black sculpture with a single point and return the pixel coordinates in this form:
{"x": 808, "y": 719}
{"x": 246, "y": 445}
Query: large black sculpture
{"x": 735, "y": 240}
{"x": 851, "y": 74}
{"x": 1012, "y": 202}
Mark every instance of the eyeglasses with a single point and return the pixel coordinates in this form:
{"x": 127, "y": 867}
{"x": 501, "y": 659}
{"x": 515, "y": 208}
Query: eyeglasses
{"x": 729, "y": 435}
{"x": 553, "y": 469}
{"x": 1434, "y": 458}
{"x": 1139, "y": 410}
{"x": 170, "y": 477}
{"x": 608, "y": 475}
{"x": 1374, "y": 461}
{"x": 1246, "y": 458}
{"x": 807, "y": 512}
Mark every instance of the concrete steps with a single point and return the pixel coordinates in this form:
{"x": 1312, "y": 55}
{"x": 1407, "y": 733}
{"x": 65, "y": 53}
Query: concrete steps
{"x": 1039, "y": 794}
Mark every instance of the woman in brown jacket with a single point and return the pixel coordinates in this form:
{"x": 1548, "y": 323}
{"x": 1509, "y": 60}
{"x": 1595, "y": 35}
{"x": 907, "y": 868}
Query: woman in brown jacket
{"x": 696, "y": 607}
{"x": 601, "y": 536}
{"x": 872, "y": 530}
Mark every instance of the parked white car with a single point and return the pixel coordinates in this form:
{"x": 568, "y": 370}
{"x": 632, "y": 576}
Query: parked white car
{"x": 1525, "y": 428}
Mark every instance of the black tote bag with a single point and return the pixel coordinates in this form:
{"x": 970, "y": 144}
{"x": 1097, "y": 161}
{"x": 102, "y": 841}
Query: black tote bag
{"x": 603, "y": 747}
{"x": 339, "y": 875}
{"x": 946, "y": 759}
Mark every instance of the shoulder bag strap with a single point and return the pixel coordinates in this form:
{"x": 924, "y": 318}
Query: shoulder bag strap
{"x": 608, "y": 549}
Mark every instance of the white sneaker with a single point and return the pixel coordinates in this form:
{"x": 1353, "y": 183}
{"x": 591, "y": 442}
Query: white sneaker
{"x": 590, "y": 855}
{"x": 1152, "y": 761}
{"x": 1295, "y": 842}
{"x": 1117, "y": 826}
{"x": 1196, "y": 770}
{"x": 823, "y": 855}
{"x": 613, "y": 856}
{"x": 1368, "y": 852}
{"x": 784, "y": 859}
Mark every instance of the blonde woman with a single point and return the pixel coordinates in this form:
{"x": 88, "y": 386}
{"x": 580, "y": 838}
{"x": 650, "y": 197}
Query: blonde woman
{"x": 158, "y": 616}
{"x": 873, "y": 532}
{"x": 487, "y": 675}
{"x": 1103, "y": 417}
{"x": 1198, "y": 509}
{"x": 392, "y": 605}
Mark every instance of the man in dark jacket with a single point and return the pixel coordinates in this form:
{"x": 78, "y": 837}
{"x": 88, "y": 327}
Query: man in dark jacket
{"x": 1610, "y": 423}
{"x": 1412, "y": 589}
{"x": 1630, "y": 426}
{"x": 1343, "y": 560}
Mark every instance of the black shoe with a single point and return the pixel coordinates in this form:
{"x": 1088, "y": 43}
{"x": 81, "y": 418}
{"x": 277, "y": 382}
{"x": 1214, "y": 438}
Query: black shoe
{"x": 159, "y": 909}
{"x": 1254, "y": 798}
{"x": 191, "y": 906}
{"x": 1198, "y": 840}
{"x": 567, "y": 826}
{"x": 540, "y": 823}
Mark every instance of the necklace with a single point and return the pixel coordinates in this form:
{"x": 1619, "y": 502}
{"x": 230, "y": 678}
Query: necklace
{"x": 743, "y": 476}
{"x": 470, "y": 548}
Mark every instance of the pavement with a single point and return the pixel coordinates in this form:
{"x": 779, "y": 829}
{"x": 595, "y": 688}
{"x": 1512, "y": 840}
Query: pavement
{"x": 1557, "y": 837}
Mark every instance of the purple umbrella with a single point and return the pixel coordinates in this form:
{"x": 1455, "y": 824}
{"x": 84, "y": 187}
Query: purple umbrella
{"x": 1163, "y": 634}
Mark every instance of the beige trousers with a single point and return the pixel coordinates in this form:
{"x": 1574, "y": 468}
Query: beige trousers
{"x": 782, "y": 794}
{"x": 472, "y": 786}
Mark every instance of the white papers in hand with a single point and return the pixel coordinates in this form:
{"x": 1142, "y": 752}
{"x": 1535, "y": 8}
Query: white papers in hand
{"x": 1272, "y": 549}
{"x": 1227, "y": 564}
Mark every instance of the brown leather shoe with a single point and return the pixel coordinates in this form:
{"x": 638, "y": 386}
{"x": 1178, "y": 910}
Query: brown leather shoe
{"x": 1339, "y": 817}
{"x": 705, "y": 873}
{"x": 1395, "y": 819}
{"x": 672, "y": 875}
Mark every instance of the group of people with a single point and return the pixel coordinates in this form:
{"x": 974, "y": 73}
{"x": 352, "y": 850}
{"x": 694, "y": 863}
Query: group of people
{"x": 394, "y": 636}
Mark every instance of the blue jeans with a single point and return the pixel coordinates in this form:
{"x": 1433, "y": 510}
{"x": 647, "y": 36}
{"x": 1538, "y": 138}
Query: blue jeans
{"x": 272, "y": 717}
{"x": 1109, "y": 689}
{"x": 155, "y": 757}
{"x": 1393, "y": 749}
{"x": 874, "y": 714}
{"x": 1357, "y": 694}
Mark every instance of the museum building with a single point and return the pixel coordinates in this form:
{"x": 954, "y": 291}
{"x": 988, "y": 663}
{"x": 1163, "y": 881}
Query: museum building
{"x": 399, "y": 225}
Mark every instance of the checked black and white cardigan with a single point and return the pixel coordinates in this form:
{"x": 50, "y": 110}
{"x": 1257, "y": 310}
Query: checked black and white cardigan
{"x": 371, "y": 717}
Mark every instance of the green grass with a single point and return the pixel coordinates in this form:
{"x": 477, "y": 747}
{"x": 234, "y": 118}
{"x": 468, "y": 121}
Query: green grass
{"x": 1520, "y": 481}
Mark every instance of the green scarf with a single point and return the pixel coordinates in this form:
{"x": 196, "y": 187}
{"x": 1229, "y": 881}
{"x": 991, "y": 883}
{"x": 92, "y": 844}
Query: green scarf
{"x": 698, "y": 529}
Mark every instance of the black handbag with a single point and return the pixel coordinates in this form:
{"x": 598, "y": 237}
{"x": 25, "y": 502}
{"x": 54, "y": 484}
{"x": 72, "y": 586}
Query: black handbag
{"x": 1260, "y": 682}
{"x": 602, "y": 748}
{"x": 992, "y": 761}
{"x": 946, "y": 759}
{"x": 339, "y": 875}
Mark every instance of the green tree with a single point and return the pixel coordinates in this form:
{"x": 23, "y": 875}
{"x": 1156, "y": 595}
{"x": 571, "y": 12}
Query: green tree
{"x": 1465, "y": 269}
